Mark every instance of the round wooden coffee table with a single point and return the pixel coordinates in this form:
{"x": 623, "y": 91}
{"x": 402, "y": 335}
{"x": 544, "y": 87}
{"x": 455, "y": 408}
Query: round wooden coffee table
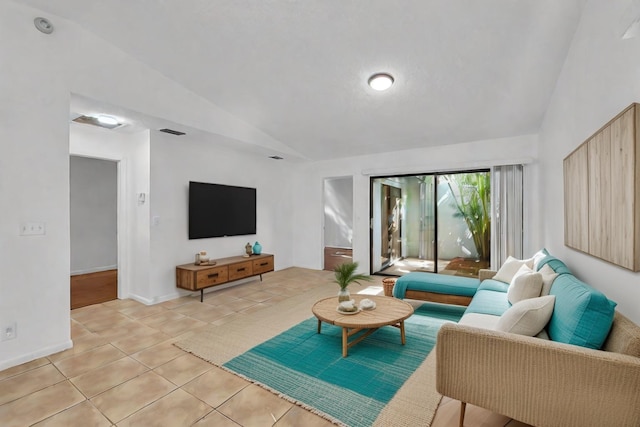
{"x": 388, "y": 312}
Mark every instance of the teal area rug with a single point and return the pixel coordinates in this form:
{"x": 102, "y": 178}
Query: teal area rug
{"x": 308, "y": 368}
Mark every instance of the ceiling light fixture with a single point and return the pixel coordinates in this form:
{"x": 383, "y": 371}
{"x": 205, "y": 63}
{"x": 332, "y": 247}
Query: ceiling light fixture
{"x": 101, "y": 120}
{"x": 381, "y": 81}
{"x": 107, "y": 120}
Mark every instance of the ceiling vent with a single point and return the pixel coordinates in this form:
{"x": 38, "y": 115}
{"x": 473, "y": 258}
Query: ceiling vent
{"x": 98, "y": 121}
{"x": 172, "y": 132}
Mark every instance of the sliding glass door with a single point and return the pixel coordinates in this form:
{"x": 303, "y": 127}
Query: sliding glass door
{"x": 439, "y": 222}
{"x": 464, "y": 222}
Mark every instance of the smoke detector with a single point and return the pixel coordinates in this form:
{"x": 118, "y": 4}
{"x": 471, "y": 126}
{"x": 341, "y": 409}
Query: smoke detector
{"x": 43, "y": 25}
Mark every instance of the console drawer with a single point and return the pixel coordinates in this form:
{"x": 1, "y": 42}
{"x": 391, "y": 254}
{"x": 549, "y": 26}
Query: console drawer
{"x": 240, "y": 270}
{"x": 262, "y": 265}
{"x": 211, "y": 276}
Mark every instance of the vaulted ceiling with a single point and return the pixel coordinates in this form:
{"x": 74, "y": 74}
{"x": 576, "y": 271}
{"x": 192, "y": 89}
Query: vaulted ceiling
{"x": 464, "y": 70}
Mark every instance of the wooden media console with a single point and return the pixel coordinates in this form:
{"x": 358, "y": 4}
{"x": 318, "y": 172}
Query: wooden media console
{"x": 199, "y": 277}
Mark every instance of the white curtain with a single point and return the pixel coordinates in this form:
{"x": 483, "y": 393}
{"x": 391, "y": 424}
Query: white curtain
{"x": 507, "y": 228}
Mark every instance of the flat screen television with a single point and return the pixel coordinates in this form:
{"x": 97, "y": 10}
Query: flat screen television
{"x": 217, "y": 210}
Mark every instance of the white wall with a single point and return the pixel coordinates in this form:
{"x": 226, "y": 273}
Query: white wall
{"x": 93, "y": 214}
{"x": 601, "y": 77}
{"x": 38, "y": 75}
{"x": 307, "y": 187}
{"x": 34, "y": 186}
{"x": 338, "y": 212}
{"x": 177, "y": 160}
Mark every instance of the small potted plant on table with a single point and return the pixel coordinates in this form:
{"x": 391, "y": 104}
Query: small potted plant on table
{"x": 346, "y": 274}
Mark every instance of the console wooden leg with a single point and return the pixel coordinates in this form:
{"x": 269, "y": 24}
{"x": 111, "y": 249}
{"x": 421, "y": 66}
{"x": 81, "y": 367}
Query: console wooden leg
{"x": 463, "y": 406}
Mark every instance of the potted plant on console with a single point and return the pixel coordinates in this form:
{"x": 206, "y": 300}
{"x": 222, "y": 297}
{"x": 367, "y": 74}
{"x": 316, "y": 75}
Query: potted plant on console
{"x": 346, "y": 274}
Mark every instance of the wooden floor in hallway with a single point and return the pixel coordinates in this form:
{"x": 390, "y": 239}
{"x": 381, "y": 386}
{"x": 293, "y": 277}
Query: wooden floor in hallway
{"x": 93, "y": 288}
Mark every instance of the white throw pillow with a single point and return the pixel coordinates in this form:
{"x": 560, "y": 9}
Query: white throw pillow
{"x": 548, "y": 276}
{"x": 527, "y": 317}
{"x": 510, "y": 268}
{"x": 525, "y": 284}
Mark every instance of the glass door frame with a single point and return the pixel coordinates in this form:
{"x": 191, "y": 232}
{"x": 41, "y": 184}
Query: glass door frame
{"x": 435, "y": 245}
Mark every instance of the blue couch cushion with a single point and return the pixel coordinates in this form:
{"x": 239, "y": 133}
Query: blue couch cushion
{"x": 489, "y": 302}
{"x": 582, "y": 315}
{"x": 493, "y": 285}
{"x": 436, "y": 283}
{"x": 557, "y": 265}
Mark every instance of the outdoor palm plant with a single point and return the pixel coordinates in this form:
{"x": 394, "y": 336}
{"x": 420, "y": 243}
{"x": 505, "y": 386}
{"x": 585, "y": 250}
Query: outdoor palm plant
{"x": 472, "y": 200}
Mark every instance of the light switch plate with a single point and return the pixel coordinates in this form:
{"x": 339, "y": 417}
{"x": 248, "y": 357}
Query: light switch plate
{"x": 33, "y": 229}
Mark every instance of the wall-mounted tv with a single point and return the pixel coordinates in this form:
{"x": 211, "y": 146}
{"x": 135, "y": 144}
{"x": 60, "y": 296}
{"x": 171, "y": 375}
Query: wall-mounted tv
{"x": 217, "y": 210}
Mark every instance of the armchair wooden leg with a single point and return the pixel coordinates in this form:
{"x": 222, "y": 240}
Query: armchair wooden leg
{"x": 463, "y": 406}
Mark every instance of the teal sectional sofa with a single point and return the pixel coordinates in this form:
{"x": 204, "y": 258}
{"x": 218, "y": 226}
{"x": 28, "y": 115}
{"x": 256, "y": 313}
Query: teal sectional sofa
{"x": 581, "y": 315}
{"x": 582, "y": 369}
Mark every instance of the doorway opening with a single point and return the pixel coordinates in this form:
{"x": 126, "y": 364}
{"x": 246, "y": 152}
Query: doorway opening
{"x": 432, "y": 222}
{"x": 338, "y": 221}
{"x": 93, "y": 229}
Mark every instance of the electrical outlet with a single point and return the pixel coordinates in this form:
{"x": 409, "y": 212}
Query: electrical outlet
{"x": 9, "y": 331}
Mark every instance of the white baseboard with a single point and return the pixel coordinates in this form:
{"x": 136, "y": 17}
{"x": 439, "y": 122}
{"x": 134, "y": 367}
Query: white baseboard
{"x": 182, "y": 292}
{"x": 94, "y": 270}
{"x": 143, "y": 300}
{"x": 168, "y": 297}
{"x": 155, "y": 300}
{"x": 46, "y": 351}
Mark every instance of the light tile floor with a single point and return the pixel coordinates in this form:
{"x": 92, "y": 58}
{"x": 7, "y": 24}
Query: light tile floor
{"x": 124, "y": 369}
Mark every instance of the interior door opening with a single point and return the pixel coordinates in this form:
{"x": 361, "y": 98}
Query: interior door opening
{"x": 93, "y": 229}
{"x": 338, "y": 221}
